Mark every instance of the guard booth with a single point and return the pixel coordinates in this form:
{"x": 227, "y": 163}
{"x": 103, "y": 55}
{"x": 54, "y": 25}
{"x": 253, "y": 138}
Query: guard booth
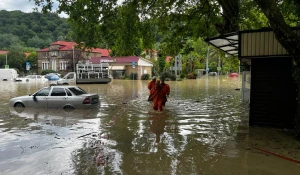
{"x": 269, "y": 86}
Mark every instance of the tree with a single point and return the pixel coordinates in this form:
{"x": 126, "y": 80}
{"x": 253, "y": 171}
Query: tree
{"x": 32, "y": 59}
{"x": 16, "y": 60}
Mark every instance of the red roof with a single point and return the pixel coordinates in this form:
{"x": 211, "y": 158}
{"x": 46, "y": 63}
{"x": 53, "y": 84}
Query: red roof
{"x": 104, "y": 52}
{"x": 3, "y": 52}
{"x": 65, "y": 46}
{"x": 27, "y": 53}
{"x": 168, "y": 58}
{"x": 125, "y": 59}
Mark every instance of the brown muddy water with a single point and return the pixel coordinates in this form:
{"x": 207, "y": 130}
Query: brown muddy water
{"x": 202, "y": 130}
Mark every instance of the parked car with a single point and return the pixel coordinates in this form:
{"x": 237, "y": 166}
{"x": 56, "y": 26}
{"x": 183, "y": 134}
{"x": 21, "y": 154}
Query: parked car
{"x": 32, "y": 78}
{"x": 213, "y": 73}
{"x": 61, "y": 97}
{"x": 233, "y": 75}
{"x": 49, "y": 75}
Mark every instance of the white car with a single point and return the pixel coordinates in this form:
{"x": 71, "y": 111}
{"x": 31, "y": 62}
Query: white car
{"x": 61, "y": 97}
{"x": 32, "y": 78}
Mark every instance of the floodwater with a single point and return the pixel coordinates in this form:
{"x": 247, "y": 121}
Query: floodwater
{"x": 202, "y": 130}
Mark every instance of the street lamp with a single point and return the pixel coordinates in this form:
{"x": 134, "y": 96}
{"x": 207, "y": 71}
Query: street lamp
{"x": 226, "y": 55}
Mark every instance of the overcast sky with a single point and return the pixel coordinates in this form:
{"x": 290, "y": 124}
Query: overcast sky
{"x": 23, "y": 5}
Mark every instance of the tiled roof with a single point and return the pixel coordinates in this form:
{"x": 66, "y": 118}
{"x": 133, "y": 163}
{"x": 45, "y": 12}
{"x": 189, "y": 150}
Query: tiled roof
{"x": 125, "y": 59}
{"x": 104, "y": 52}
{"x": 67, "y": 46}
{"x": 4, "y": 52}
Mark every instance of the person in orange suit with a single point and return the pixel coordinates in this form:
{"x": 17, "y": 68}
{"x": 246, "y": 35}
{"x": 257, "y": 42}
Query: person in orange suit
{"x": 158, "y": 94}
{"x": 151, "y": 84}
{"x": 166, "y": 90}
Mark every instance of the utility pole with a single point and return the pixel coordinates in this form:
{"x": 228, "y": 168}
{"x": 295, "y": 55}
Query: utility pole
{"x": 176, "y": 65}
{"x": 219, "y": 65}
{"x": 73, "y": 57}
{"x": 207, "y": 61}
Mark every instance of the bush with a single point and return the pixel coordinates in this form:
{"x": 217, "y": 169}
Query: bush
{"x": 195, "y": 74}
{"x": 168, "y": 76}
{"x": 145, "y": 77}
{"x": 47, "y": 71}
{"x": 133, "y": 76}
{"x": 191, "y": 76}
{"x": 114, "y": 74}
{"x": 182, "y": 76}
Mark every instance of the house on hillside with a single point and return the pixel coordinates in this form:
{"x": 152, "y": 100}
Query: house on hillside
{"x": 120, "y": 66}
{"x": 4, "y": 52}
{"x": 62, "y": 56}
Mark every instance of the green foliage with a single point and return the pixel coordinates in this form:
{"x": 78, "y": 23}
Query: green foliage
{"x": 191, "y": 75}
{"x": 168, "y": 76}
{"x": 16, "y": 60}
{"x": 145, "y": 77}
{"x": 2, "y": 60}
{"x": 32, "y": 59}
{"x": 182, "y": 76}
{"x": 37, "y": 30}
{"x": 133, "y": 76}
{"x": 161, "y": 64}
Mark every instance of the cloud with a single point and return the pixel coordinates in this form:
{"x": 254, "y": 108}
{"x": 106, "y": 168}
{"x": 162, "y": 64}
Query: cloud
{"x": 24, "y": 6}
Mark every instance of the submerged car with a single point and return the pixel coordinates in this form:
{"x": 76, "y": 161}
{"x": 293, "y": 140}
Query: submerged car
{"x": 32, "y": 78}
{"x": 233, "y": 75}
{"x": 213, "y": 73}
{"x": 61, "y": 97}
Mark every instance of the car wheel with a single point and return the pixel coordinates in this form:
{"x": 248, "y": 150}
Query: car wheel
{"x": 68, "y": 108}
{"x": 19, "y": 107}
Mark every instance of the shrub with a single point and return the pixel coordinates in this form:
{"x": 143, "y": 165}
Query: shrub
{"x": 133, "y": 76}
{"x": 182, "y": 76}
{"x": 190, "y": 76}
{"x": 195, "y": 74}
{"x": 145, "y": 77}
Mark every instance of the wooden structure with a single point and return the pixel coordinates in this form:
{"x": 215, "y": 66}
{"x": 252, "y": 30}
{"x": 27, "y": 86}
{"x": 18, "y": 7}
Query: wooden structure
{"x": 272, "y": 91}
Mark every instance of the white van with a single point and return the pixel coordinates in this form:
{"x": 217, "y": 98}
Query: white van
{"x": 70, "y": 78}
{"x": 8, "y": 74}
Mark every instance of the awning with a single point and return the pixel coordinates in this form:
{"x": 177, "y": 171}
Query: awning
{"x": 228, "y": 43}
{"x": 117, "y": 67}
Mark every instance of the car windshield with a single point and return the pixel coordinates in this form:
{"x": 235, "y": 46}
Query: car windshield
{"x": 28, "y": 76}
{"x": 77, "y": 90}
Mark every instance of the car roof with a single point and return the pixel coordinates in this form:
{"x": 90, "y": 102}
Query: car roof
{"x": 64, "y": 86}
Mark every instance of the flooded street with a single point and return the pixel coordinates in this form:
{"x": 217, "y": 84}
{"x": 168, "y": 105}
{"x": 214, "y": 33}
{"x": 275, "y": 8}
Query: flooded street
{"x": 202, "y": 130}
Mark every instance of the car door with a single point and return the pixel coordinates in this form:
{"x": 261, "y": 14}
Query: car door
{"x": 40, "y": 98}
{"x": 71, "y": 78}
{"x": 58, "y": 98}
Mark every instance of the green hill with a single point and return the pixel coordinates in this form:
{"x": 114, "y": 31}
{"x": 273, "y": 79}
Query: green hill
{"x": 19, "y": 30}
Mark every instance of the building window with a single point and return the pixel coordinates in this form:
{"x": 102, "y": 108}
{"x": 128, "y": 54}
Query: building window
{"x": 63, "y": 65}
{"x": 54, "y": 53}
{"x": 45, "y": 65}
{"x": 45, "y": 55}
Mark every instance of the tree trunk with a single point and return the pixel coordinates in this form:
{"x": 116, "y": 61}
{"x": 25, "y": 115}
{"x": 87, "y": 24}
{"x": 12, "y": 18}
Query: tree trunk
{"x": 289, "y": 40}
{"x": 230, "y": 16}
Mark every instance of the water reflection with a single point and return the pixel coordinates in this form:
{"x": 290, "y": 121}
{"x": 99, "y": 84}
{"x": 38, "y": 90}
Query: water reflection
{"x": 202, "y": 130}
{"x": 157, "y": 124}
